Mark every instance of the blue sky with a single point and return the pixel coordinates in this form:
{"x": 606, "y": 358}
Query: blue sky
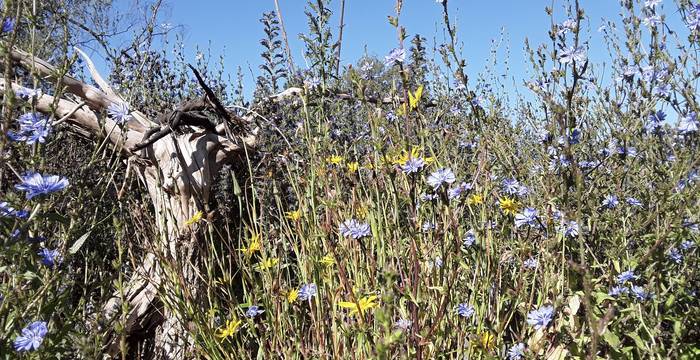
{"x": 232, "y": 28}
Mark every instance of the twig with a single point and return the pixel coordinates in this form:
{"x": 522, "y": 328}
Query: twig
{"x": 69, "y": 114}
{"x": 290, "y": 61}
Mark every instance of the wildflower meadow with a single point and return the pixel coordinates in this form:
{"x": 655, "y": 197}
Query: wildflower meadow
{"x": 402, "y": 206}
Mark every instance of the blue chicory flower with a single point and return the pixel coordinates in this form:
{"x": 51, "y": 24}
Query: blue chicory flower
{"x": 541, "y": 317}
{"x": 440, "y": 177}
{"x": 307, "y": 292}
{"x": 465, "y": 310}
{"x": 254, "y": 311}
{"x": 355, "y": 229}
{"x": 32, "y": 337}
{"x": 35, "y": 184}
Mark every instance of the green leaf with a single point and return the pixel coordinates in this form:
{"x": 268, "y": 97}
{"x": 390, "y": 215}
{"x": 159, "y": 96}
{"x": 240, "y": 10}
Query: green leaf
{"x": 78, "y": 244}
{"x": 611, "y": 339}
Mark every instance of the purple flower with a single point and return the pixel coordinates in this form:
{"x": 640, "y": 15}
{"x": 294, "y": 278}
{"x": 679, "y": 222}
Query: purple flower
{"x": 570, "y": 55}
{"x": 527, "y": 217}
{"x": 689, "y": 124}
{"x": 651, "y": 21}
{"x": 32, "y": 337}
{"x": 633, "y": 202}
{"x": 610, "y": 202}
{"x": 626, "y": 276}
{"x": 440, "y": 177}
{"x": 516, "y": 352}
{"x": 307, "y": 291}
{"x": 8, "y": 211}
{"x": 530, "y": 263}
{"x": 413, "y": 165}
{"x": 675, "y": 255}
{"x": 566, "y": 26}
{"x": 50, "y": 258}
{"x": 465, "y": 310}
{"x": 35, "y": 184}
{"x": 541, "y": 317}
{"x": 27, "y": 93}
{"x": 457, "y": 191}
{"x": 469, "y": 238}
{"x": 510, "y": 186}
{"x": 662, "y": 90}
{"x": 7, "y": 26}
{"x": 119, "y": 112}
{"x": 33, "y": 128}
{"x": 397, "y": 55}
{"x": 254, "y": 311}
{"x": 640, "y": 293}
{"x": 618, "y": 290}
{"x": 354, "y": 229}
{"x": 570, "y": 228}
{"x": 687, "y": 245}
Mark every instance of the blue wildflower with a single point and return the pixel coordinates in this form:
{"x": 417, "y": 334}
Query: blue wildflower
{"x": 570, "y": 228}
{"x": 33, "y": 128}
{"x": 570, "y": 55}
{"x": 307, "y": 292}
{"x": 633, "y": 202}
{"x": 510, "y": 186}
{"x": 7, "y": 26}
{"x": 610, "y": 202}
{"x": 457, "y": 191}
{"x": 689, "y": 124}
{"x": 640, "y": 293}
{"x": 465, "y": 310}
{"x": 6, "y": 210}
{"x": 413, "y": 165}
{"x": 662, "y": 90}
{"x": 469, "y": 238}
{"x": 626, "y": 276}
{"x": 440, "y": 177}
{"x": 27, "y": 93}
{"x": 428, "y": 226}
{"x": 618, "y": 290}
{"x": 35, "y": 184}
{"x": 541, "y": 317}
{"x": 530, "y": 263}
{"x": 397, "y": 55}
{"x": 527, "y": 217}
{"x": 50, "y": 258}
{"x": 354, "y": 229}
{"x": 650, "y": 4}
{"x": 119, "y": 112}
{"x": 32, "y": 337}
{"x": 516, "y": 352}
{"x": 675, "y": 255}
{"x": 687, "y": 245}
{"x": 254, "y": 311}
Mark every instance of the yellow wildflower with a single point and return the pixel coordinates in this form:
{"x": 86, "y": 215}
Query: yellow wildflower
{"x": 366, "y": 303}
{"x": 268, "y": 264}
{"x": 414, "y": 98}
{"x": 293, "y": 215}
{"x": 334, "y": 160}
{"x": 194, "y": 219}
{"x": 353, "y": 167}
{"x": 292, "y": 295}
{"x": 475, "y": 199}
{"x": 488, "y": 341}
{"x": 231, "y": 328}
{"x": 508, "y": 205}
{"x": 361, "y": 211}
{"x": 328, "y": 260}
{"x": 254, "y": 245}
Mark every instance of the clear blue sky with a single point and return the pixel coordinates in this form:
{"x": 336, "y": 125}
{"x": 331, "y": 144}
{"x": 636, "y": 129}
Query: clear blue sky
{"x": 232, "y": 28}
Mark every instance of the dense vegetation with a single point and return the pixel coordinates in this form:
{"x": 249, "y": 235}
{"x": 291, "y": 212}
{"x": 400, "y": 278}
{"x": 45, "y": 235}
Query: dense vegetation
{"x": 393, "y": 209}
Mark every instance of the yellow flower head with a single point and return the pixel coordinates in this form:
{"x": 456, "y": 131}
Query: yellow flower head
{"x": 232, "y": 327}
{"x": 508, "y": 205}
{"x": 365, "y": 303}
{"x": 475, "y": 199}
{"x": 353, "y": 167}
{"x": 328, "y": 260}
{"x": 487, "y": 341}
{"x": 268, "y": 264}
{"x": 194, "y": 219}
{"x": 334, "y": 160}
{"x": 254, "y": 246}
{"x": 361, "y": 211}
{"x": 293, "y": 215}
{"x": 292, "y": 295}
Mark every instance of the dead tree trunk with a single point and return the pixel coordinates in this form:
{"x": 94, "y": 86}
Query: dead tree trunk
{"x": 178, "y": 171}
